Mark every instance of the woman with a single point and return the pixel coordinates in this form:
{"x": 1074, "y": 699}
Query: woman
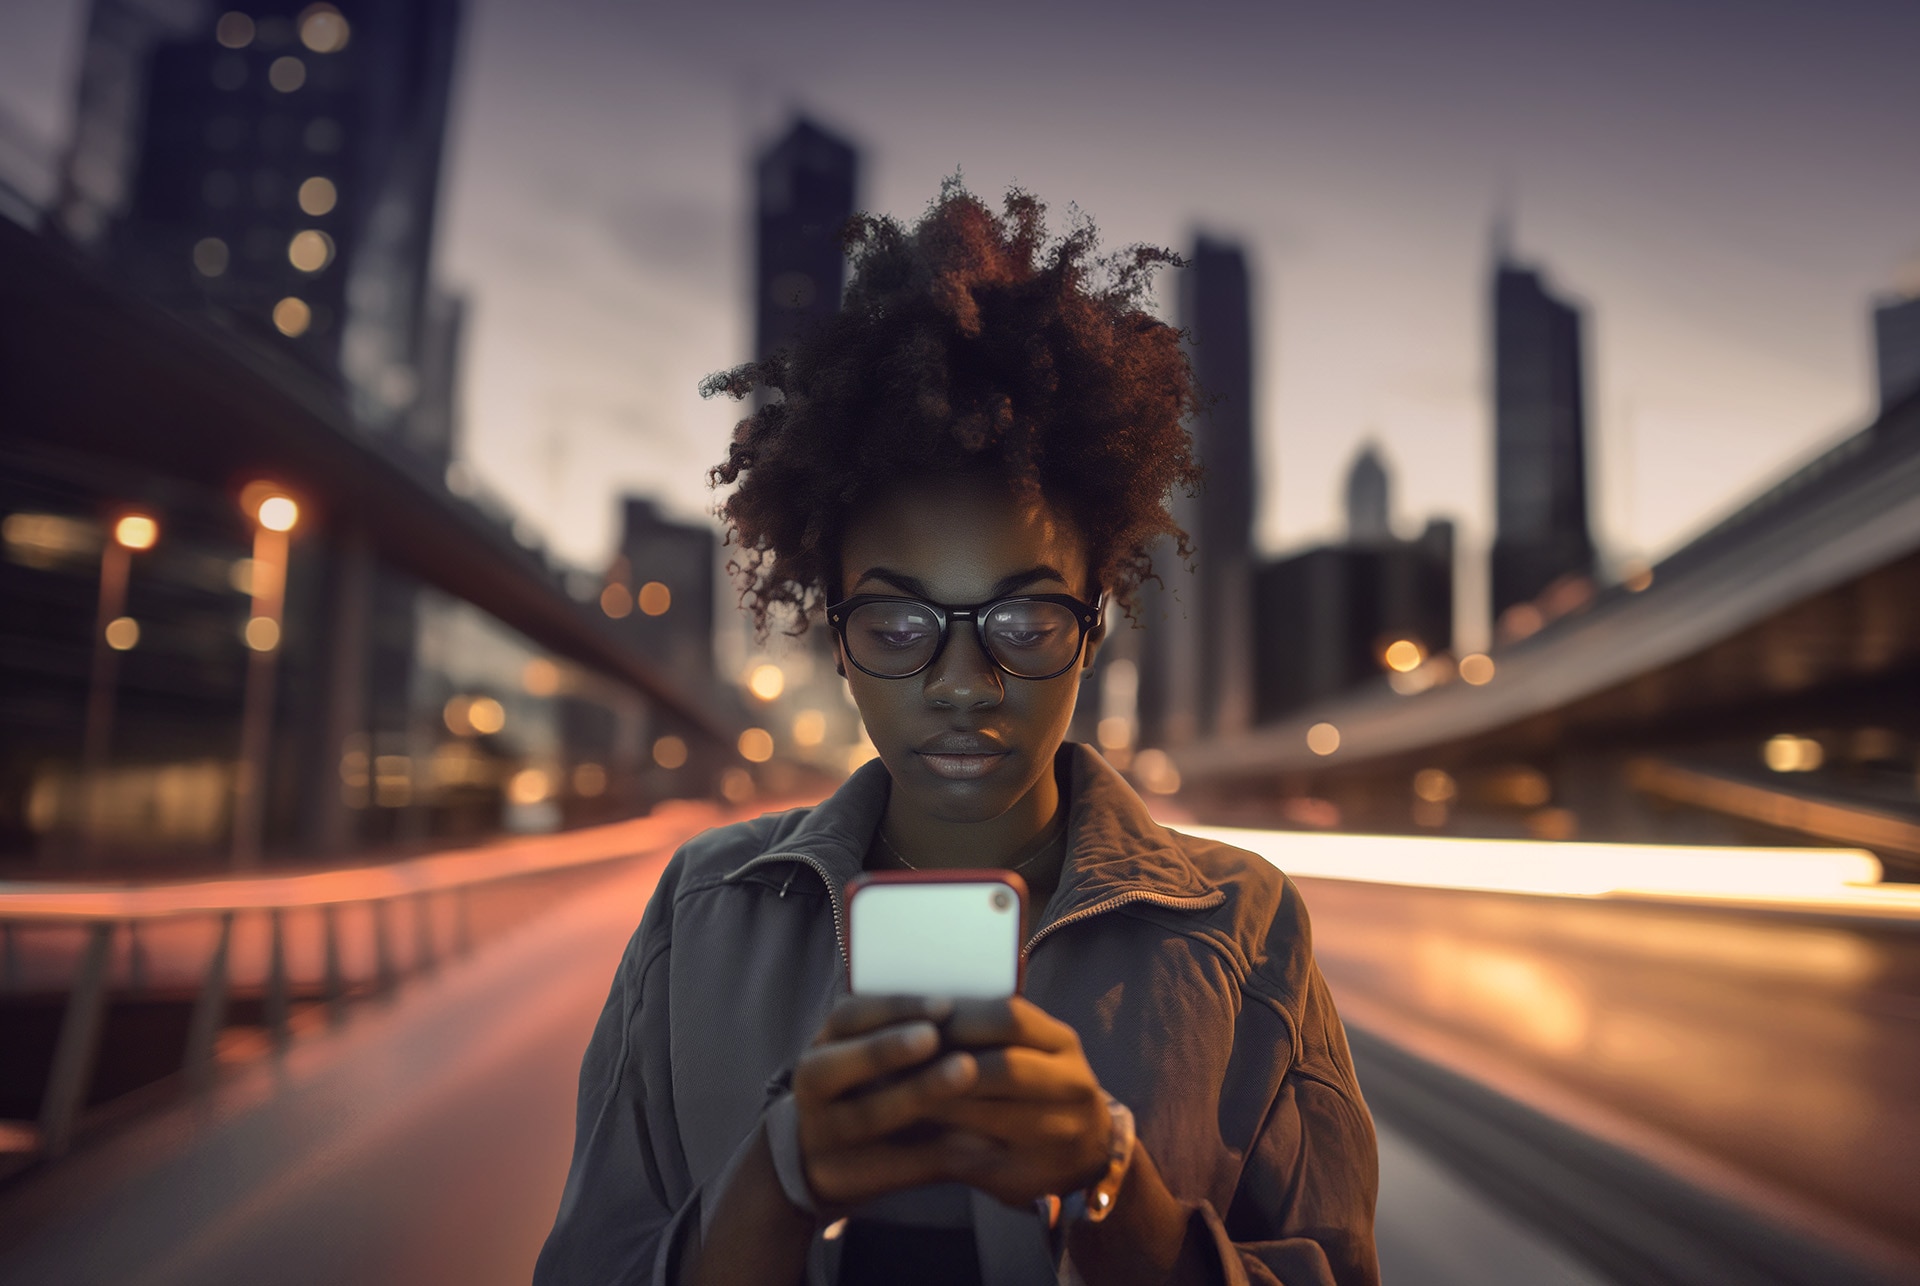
{"x": 992, "y": 421}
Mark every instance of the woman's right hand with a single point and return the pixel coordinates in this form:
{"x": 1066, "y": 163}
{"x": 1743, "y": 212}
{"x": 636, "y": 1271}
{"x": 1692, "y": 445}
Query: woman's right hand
{"x": 871, "y": 1074}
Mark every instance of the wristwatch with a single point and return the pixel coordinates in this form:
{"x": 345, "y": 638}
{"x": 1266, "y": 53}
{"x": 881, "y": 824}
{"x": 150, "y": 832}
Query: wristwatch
{"x": 1094, "y": 1203}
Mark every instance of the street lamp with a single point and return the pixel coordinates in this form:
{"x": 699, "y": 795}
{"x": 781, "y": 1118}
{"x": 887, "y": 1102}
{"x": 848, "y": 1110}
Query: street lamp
{"x": 274, "y": 515}
{"x": 114, "y": 632}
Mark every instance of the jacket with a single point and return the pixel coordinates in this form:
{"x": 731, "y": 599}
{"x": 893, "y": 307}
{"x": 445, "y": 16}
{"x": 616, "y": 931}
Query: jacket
{"x": 1185, "y": 965}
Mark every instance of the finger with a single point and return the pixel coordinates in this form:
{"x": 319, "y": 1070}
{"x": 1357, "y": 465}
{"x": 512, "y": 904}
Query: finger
{"x": 862, "y": 1118}
{"x": 857, "y": 1015}
{"x": 1021, "y": 1125}
{"x": 1014, "y": 1021}
{"x": 1017, "y": 1072}
{"x": 825, "y": 1072}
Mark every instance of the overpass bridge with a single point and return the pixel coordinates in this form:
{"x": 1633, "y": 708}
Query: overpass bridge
{"x": 1760, "y": 685}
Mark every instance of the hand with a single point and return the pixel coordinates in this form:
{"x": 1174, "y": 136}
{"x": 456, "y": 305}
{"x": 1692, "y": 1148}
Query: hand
{"x": 871, "y": 1076}
{"x": 1033, "y": 1098}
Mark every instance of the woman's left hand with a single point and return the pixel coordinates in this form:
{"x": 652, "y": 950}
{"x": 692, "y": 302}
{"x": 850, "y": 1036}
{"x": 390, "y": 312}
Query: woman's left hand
{"x": 1035, "y": 1102}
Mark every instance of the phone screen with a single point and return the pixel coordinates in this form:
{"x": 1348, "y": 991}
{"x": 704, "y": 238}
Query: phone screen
{"x": 951, "y": 933}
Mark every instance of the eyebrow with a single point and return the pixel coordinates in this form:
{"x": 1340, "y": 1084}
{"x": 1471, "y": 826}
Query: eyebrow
{"x": 1005, "y": 585}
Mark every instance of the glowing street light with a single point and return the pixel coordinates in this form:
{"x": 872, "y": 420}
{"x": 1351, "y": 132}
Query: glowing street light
{"x": 274, "y": 514}
{"x": 114, "y": 632}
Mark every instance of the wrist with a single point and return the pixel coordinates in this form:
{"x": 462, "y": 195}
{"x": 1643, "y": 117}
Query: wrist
{"x": 1094, "y": 1202}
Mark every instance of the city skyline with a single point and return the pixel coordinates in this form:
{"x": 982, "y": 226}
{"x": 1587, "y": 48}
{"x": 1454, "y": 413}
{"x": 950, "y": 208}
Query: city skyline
{"x": 602, "y": 231}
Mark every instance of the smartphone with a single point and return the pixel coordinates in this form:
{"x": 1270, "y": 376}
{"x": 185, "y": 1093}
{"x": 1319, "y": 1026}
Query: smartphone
{"x": 935, "y": 933}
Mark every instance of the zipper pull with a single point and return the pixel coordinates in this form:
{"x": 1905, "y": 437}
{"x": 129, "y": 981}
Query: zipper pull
{"x": 791, "y": 872}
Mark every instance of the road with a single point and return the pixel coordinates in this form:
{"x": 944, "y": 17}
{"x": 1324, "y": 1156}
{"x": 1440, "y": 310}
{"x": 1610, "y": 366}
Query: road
{"x": 429, "y": 1137}
{"x": 1780, "y": 1049}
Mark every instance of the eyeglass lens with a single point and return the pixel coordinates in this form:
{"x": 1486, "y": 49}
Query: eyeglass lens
{"x": 1028, "y": 639}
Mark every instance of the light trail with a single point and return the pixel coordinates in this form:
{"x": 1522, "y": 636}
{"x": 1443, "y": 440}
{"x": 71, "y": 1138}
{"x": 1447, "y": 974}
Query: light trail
{"x": 1843, "y": 879}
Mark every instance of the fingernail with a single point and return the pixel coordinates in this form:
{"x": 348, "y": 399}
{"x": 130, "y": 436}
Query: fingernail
{"x": 956, "y": 1068}
{"x": 918, "y": 1036}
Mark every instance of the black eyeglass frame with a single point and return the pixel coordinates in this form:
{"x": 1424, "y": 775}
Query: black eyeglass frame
{"x": 1086, "y": 615}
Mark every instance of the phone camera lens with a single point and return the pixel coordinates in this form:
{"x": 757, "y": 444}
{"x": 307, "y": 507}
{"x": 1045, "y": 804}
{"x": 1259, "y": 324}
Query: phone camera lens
{"x": 1002, "y": 899}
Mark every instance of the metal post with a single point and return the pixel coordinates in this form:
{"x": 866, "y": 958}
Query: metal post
{"x": 209, "y": 1010}
{"x": 256, "y": 710}
{"x": 330, "y": 919}
{"x": 136, "y": 961}
{"x": 115, "y": 563}
{"x": 277, "y": 1000}
{"x": 73, "y": 1056}
{"x": 382, "y": 949}
{"x": 463, "y": 920}
{"x": 423, "y": 953}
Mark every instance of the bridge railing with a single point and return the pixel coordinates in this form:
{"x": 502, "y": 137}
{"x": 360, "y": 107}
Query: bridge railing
{"x": 196, "y": 921}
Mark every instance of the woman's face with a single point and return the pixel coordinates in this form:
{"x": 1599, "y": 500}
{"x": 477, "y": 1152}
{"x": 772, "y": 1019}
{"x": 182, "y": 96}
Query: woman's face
{"x": 964, "y": 740}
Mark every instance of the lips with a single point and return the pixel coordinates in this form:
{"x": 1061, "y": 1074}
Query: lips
{"x": 961, "y": 756}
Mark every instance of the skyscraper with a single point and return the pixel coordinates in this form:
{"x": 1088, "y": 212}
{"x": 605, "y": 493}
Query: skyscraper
{"x": 1540, "y": 470}
{"x": 1216, "y": 308}
{"x": 1896, "y": 347}
{"x": 804, "y": 189}
{"x": 1369, "y": 500}
{"x": 280, "y": 166}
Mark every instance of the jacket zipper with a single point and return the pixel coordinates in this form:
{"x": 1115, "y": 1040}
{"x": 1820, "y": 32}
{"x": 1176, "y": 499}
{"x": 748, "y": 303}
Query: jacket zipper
{"x": 1199, "y": 902}
{"x": 833, "y": 898}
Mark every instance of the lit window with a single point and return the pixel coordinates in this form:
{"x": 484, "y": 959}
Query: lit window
{"x": 318, "y": 196}
{"x": 323, "y": 29}
{"x": 287, "y": 74}
{"x": 210, "y": 256}
{"x": 234, "y": 30}
{"x": 310, "y": 251}
{"x": 655, "y": 598}
{"x": 291, "y": 316}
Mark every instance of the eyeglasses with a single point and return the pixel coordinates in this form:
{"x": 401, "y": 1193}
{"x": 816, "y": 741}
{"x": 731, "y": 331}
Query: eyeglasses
{"x": 1033, "y": 636}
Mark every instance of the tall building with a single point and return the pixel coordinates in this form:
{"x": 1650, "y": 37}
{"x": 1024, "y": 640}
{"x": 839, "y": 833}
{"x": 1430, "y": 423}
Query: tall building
{"x": 1197, "y": 662}
{"x": 1540, "y": 469}
{"x": 1369, "y": 500}
{"x": 1896, "y": 347}
{"x": 280, "y": 166}
{"x": 804, "y": 186}
{"x": 668, "y": 567}
{"x": 1325, "y": 616}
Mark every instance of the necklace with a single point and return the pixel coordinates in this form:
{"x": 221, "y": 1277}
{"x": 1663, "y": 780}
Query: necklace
{"x": 1045, "y": 850}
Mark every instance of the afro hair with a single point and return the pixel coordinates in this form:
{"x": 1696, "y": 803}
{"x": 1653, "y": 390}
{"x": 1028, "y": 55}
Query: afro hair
{"x": 971, "y": 340}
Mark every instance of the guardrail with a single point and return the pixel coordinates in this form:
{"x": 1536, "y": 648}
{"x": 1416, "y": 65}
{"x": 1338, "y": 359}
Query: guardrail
{"x": 101, "y": 912}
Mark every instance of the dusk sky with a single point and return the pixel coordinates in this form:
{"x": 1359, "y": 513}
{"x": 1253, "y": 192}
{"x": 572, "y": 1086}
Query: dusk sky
{"x": 1724, "y": 185}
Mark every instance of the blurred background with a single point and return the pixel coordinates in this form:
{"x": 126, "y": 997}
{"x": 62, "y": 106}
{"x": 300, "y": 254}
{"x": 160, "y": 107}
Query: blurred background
{"x": 366, "y": 641}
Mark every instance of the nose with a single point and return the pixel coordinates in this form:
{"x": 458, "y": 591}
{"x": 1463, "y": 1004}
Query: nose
{"x": 963, "y": 677}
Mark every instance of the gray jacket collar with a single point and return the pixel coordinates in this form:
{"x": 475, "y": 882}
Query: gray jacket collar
{"x": 1114, "y": 847}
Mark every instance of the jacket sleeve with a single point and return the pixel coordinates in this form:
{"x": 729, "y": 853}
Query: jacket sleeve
{"x": 1302, "y": 1213}
{"x": 628, "y": 1197}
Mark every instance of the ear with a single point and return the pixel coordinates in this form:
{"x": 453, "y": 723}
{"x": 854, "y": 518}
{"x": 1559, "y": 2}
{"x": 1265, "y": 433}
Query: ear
{"x": 1095, "y": 637}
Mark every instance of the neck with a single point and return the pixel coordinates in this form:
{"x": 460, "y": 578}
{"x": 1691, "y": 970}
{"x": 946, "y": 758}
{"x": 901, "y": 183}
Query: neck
{"x": 933, "y": 843}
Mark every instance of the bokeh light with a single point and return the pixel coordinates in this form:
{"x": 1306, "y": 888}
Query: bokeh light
{"x": 136, "y": 531}
{"x": 756, "y": 745}
{"x": 766, "y": 681}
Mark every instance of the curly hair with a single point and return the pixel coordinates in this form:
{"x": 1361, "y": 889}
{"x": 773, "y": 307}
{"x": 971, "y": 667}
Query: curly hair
{"x": 971, "y": 340}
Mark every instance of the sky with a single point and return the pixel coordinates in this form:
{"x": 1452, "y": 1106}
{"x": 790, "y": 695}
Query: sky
{"x": 1724, "y": 186}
